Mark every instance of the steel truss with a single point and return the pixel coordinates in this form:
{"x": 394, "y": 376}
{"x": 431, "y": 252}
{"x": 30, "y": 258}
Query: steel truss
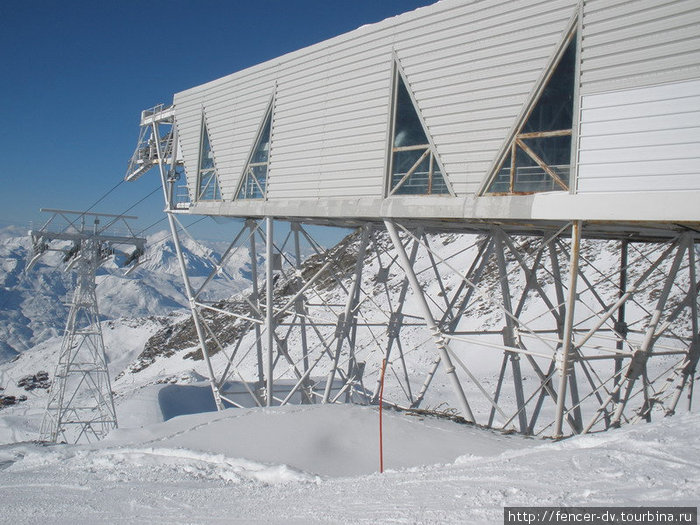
{"x": 80, "y": 406}
{"x": 581, "y": 347}
{"x": 563, "y": 330}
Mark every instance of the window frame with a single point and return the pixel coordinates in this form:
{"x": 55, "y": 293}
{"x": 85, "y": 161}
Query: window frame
{"x": 434, "y": 162}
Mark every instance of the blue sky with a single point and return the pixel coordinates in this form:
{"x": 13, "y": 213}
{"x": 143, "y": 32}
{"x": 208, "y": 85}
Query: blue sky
{"x": 76, "y": 75}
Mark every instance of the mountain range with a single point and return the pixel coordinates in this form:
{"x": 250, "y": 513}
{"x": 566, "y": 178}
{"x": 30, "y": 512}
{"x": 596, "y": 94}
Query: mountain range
{"x": 33, "y": 303}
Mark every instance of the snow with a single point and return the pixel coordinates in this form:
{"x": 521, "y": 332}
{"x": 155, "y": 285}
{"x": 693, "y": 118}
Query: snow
{"x": 327, "y": 440}
{"x": 175, "y": 460}
{"x": 256, "y": 466}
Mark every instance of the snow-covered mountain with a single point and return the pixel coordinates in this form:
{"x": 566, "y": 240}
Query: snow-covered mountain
{"x": 32, "y": 304}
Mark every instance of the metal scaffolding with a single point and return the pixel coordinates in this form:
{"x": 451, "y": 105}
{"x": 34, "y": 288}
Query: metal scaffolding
{"x": 590, "y": 325}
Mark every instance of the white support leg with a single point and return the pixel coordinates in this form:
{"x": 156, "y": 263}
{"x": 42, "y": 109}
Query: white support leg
{"x": 345, "y": 322}
{"x": 640, "y": 357}
{"x": 568, "y": 327}
{"x": 440, "y": 341}
{"x": 269, "y": 312}
{"x": 185, "y": 277}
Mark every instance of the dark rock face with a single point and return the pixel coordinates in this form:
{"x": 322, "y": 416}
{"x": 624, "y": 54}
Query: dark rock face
{"x": 39, "y": 380}
{"x": 176, "y": 337}
{"x": 180, "y": 336}
{"x": 8, "y": 401}
{"x": 30, "y": 382}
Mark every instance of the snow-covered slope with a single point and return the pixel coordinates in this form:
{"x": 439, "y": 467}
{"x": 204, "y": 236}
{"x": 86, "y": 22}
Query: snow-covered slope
{"x": 32, "y": 304}
{"x": 254, "y": 467}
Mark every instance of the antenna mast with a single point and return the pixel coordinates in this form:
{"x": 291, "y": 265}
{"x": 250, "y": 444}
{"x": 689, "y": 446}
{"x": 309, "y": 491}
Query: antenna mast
{"x": 80, "y": 406}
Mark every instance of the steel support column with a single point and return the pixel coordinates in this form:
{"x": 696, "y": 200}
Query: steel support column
{"x": 639, "y": 359}
{"x": 509, "y": 331}
{"x": 691, "y": 361}
{"x": 395, "y": 323}
{"x": 567, "y": 342}
{"x": 346, "y": 318}
{"x": 255, "y": 299}
{"x": 183, "y": 270}
{"x": 269, "y": 308}
{"x": 300, "y": 310}
{"x": 427, "y": 315}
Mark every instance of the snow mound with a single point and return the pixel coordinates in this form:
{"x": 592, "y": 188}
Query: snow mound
{"x": 198, "y": 469}
{"x": 328, "y": 440}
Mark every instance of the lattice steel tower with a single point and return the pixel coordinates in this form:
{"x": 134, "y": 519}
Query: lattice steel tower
{"x": 80, "y": 405}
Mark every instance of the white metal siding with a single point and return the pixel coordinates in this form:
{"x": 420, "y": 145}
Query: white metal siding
{"x": 233, "y": 115}
{"x": 633, "y": 43}
{"x": 471, "y": 67}
{"x": 472, "y": 72}
{"x": 644, "y": 139}
{"x": 330, "y": 123}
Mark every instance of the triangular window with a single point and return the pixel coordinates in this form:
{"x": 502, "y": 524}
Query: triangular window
{"x": 414, "y": 168}
{"x": 254, "y": 180}
{"x": 539, "y": 157}
{"x": 207, "y": 181}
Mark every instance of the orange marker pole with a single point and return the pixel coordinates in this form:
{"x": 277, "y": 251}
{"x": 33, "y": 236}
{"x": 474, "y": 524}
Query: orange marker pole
{"x": 381, "y": 440}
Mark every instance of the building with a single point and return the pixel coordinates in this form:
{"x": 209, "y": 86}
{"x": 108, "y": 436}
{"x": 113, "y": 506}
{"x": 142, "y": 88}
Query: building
{"x": 564, "y": 119}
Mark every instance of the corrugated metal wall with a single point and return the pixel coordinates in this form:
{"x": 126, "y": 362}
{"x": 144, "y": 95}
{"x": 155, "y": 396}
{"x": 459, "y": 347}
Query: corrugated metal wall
{"x": 640, "y": 113}
{"x": 471, "y": 67}
{"x": 633, "y": 43}
{"x": 330, "y": 118}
